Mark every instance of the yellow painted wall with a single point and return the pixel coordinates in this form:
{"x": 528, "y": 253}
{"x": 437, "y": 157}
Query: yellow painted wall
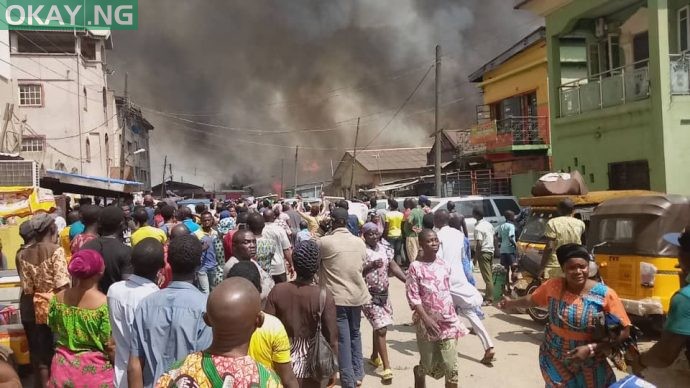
{"x": 533, "y": 76}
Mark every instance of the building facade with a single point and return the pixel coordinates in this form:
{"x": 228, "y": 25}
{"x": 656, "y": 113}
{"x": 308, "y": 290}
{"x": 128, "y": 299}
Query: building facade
{"x": 137, "y": 159}
{"x": 625, "y": 124}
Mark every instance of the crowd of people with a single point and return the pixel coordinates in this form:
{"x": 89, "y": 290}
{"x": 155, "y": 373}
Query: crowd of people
{"x": 264, "y": 293}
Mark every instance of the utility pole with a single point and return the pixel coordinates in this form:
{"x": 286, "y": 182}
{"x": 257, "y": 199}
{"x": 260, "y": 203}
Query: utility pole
{"x": 7, "y": 117}
{"x": 123, "y": 137}
{"x": 294, "y": 193}
{"x": 165, "y": 164}
{"x": 437, "y": 143}
{"x": 354, "y": 160}
{"x": 282, "y": 177}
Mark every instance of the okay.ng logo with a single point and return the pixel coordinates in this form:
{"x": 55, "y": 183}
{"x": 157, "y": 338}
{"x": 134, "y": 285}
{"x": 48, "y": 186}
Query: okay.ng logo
{"x": 69, "y": 14}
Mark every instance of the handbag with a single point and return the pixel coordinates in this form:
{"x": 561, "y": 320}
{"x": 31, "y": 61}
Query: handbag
{"x": 322, "y": 362}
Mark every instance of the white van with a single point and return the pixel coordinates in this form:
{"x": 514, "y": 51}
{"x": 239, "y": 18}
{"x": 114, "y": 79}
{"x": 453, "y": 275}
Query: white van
{"x": 494, "y": 206}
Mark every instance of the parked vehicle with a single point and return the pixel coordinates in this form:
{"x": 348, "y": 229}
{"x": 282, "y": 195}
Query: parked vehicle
{"x": 634, "y": 258}
{"x": 494, "y": 206}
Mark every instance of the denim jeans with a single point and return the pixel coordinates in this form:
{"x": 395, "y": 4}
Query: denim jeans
{"x": 349, "y": 345}
{"x": 203, "y": 280}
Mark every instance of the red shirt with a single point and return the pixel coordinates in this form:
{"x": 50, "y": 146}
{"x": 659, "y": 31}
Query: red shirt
{"x": 227, "y": 244}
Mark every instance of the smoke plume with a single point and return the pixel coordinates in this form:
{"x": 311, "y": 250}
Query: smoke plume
{"x": 228, "y": 73}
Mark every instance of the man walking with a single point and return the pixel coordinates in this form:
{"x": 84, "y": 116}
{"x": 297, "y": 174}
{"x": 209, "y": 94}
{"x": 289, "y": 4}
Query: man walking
{"x": 393, "y": 232}
{"x": 484, "y": 251}
{"x": 565, "y": 229}
{"x": 508, "y": 246}
{"x": 282, "y": 260}
{"x": 209, "y": 264}
{"x": 342, "y": 258}
{"x": 169, "y": 324}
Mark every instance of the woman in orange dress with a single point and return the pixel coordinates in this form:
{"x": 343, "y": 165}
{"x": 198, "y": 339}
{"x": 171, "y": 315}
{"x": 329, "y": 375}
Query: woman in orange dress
{"x": 570, "y": 356}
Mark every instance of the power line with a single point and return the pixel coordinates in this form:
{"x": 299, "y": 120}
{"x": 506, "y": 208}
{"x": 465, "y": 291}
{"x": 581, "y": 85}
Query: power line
{"x": 402, "y": 106}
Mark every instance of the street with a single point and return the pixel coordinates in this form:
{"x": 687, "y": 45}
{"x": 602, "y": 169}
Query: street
{"x": 516, "y": 340}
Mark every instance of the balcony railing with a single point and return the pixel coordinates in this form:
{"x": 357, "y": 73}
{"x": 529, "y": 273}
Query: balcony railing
{"x": 526, "y": 130}
{"x": 680, "y": 73}
{"x": 614, "y": 87}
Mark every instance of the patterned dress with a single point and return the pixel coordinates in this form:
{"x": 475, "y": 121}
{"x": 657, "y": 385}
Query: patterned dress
{"x": 378, "y": 313}
{"x": 571, "y": 322}
{"x": 202, "y": 370}
{"x": 82, "y": 336}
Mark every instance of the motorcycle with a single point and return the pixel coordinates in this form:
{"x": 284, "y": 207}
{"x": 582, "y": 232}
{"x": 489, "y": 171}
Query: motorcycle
{"x": 528, "y": 280}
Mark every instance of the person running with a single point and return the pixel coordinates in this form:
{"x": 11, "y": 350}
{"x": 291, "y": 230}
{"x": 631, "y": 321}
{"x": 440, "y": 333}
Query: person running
{"x": 298, "y": 305}
{"x": 561, "y": 230}
{"x": 281, "y": 265}
{"x": 269, "y": 345}
{"x": 393, "y": 232}
{"x": 508, "y": 247}
{"x": 209, "y": 263}
{"x": 484, "y": 251}
{"x": 144, "y": 230}
{"x": 467, "y": 299}
{"x": 42, "y": 270}
{"x": 124, "y": 297}
{"x": 169, "y": 324}
{"x": 379, "y": 311}
{"x": 89, "y": 215}
{"x": 234, "y": 313}
{"x": 438, "y": 327}
{"x": 79, "y": 318}
{"x": 570, "y": 356}
{"x": 116, "y": 254}
{"x": 244, "y": 249}
{"x": 342, "y": 257}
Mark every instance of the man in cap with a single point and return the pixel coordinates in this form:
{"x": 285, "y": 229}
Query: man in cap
{"x": 342, "y": 259}
{"x": 676, "y": 334}
{"x": 565, "y": 229}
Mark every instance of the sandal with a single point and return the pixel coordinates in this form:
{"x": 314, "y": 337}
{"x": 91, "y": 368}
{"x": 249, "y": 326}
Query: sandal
{"x": 375, "y": 362}
{"x": 387, "y": 377}
{"x": 488, "y": 357}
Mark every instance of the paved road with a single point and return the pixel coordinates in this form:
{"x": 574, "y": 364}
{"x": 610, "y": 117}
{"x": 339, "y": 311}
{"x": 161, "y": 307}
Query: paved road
{"x": 516, "y": 339}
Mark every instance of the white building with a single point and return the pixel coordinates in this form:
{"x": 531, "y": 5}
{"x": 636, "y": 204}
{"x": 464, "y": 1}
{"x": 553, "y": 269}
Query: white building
{"x": 65, "y": 116}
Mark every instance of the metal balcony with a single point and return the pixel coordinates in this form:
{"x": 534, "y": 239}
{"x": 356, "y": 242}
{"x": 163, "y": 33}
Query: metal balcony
{"x": 680, "y": 73}
{"x": 600, "y": 91}
{"x": 521, "y": 131}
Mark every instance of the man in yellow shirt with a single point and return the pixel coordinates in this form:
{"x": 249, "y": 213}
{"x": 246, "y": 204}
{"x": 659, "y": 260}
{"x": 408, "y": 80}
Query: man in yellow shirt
{"x": 269, "y": 344}
{"x": 393, "y": 233}
{"x": 65, "y": 241}
{"x": 144, "y": 230}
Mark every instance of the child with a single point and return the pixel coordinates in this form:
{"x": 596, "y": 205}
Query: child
{"x": 438, "y": 326}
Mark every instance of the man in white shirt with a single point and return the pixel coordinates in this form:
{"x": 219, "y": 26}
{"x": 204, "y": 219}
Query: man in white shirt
{"x": 484, "y": 251}
{"x": 282, "y": 260}
{"x": 124, "y": 297}
{"x": 466, "y": 298}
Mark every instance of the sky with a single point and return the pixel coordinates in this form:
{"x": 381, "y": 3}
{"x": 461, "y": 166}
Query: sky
{"x": 233, "y": 86}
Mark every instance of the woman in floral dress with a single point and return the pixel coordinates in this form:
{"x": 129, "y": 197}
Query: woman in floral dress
{"x": 379, "y": 311}
{"x": 79, "y": 318}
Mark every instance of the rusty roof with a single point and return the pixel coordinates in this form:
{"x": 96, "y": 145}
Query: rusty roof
{"x": 392, "y": 158}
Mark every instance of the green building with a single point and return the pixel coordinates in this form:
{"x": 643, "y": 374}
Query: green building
{"x": 627, "y": 124}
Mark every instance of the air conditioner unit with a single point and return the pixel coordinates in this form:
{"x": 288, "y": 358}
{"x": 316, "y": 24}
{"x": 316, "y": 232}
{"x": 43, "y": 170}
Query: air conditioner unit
{"x": 600, "y": 28}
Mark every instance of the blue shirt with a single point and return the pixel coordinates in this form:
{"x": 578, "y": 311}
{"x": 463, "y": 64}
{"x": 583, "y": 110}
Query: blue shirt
{"x": 75, "y": 229}
{"x": 506, "y": 232}
{"x": 303, "y": 235}
{"x": 353, "y": 224}
{"x": 168, "y": 325}
{"x": 678, "y": 318}
{"x": 208, "y": 255}
{"x": 149, "y": 215}
{"x": 191, "y": 225}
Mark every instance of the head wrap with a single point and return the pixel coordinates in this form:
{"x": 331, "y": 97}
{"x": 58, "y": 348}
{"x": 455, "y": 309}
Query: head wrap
{"x": 42, "y": 221}
{"x": 570, "y": 251}
{"x": 225, "y": 225}
{"x": 85, "y": 264}
{"x": 306, "y": 259}
{"x": 26, "y": 231}
{"x": 370, "y": 227}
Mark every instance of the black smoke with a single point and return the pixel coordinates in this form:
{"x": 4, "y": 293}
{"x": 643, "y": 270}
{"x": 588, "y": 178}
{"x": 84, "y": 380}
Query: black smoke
{"x": 276, "y": 65}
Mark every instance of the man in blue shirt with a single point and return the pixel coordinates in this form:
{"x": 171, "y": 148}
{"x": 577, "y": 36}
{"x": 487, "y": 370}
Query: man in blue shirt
{"x": 209, "y": 265}
{"x": 185, "y": 214}
{"x": 507, "y": 239}
{"x": 676, "y": 334}
{"x": 169, "y": 324}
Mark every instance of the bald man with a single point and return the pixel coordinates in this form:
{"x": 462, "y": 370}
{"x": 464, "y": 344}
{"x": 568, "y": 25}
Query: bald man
{"x": 233, "y": 312}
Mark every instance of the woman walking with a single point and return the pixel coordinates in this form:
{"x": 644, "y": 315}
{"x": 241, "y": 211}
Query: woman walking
{"x": 79, "y": 319}
{"x": 573, "y": 354}
{"x": 297, "y": 305}
{"x": 379, "y": 311}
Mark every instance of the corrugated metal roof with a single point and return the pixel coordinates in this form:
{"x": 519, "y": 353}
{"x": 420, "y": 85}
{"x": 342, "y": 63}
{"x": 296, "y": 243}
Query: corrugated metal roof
{"x": 392, "y": 159}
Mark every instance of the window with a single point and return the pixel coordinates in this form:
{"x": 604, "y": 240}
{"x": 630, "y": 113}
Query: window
{"x": 40, "y": 42}
{"x": 33, "y": 143}
{"x": 505, "y": 204}
{"x": 129, "y": 147}
{"x": 640, "y": 49}
{"x": 465, "y": 207}
{"x": 86, "y": 100}
{"x": 683, "y": 28}
{"x": 535, "y": 226}
{"x": 88, "y": 49}
{"x": 614, "y": 53}
{"x": 107, "y": 148}
{"x": 30, "y": 95}
{"x": 105, "y": 99}
{"x": 633, "y": 175}
{"x": 88, "y": 150}
{"x": 616, "y": 230}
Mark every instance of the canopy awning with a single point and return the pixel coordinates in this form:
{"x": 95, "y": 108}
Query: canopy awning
{"x": 392, "y": 186}
{"x": 64, "y": 182}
